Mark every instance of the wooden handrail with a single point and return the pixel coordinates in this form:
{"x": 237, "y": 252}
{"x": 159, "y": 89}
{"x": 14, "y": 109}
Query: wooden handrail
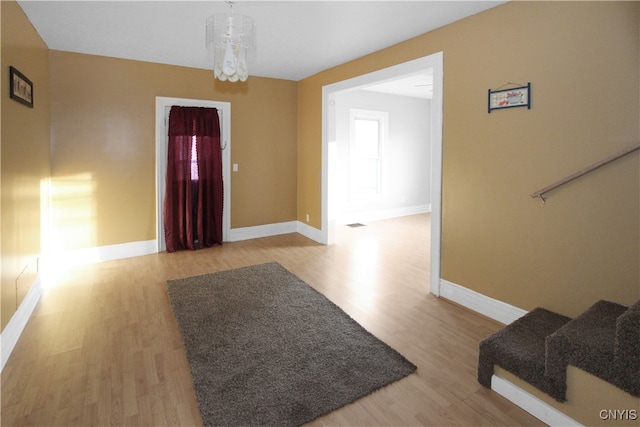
{"x": 540, "y": 193}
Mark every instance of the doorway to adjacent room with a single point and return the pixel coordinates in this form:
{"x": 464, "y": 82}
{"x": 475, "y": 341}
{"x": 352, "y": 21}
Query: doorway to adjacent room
{"x": 163, "y": 106}
{"x": 432, "y": 63}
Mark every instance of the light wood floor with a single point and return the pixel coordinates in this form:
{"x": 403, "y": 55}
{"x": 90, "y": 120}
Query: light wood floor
{"x": 103, "y": 347}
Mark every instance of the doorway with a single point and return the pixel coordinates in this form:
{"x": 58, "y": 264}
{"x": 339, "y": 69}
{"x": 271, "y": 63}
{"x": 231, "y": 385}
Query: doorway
{"x": 434, "y": 62}
{"x": 163, "y": 106}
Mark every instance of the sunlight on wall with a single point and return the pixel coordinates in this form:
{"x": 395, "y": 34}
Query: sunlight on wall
{"x": 72, "y": 224}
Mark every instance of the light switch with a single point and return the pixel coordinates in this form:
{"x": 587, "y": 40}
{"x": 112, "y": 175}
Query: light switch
{"x": 235, "y": 167}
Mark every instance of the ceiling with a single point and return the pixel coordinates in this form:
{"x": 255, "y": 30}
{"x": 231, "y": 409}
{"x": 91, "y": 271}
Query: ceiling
{"x": 295, "y": 39}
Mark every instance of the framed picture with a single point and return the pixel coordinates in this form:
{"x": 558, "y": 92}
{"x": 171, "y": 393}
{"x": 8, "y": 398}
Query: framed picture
{"x": 510, "y": 98}
{"x": 20, "y": 87}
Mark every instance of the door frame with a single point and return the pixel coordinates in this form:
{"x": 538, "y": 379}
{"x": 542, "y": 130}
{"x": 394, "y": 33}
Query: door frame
{"x": 163, "y": 105}
{"x": 435, "y": 62}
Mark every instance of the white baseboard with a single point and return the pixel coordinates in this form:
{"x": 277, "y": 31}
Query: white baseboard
{"x": 309, "y": 232}
{"x": 133, "y": 249}
{"x": 258, "y": 231}
{"x": 19, "y": 320}
{"x": 104, "y": 253}
{"x": 530, "y": 403}
{"x": 267, "y": 230}
{"x": 379, "y": 215}
{"x": 493, "y": 308}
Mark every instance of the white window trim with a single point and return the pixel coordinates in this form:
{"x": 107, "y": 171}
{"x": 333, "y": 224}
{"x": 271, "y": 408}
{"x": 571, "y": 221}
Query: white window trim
{"x": 383, "y": 118}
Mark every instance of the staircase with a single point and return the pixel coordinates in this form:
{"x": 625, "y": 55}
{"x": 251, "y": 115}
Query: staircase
{"x": 603, "y": 341}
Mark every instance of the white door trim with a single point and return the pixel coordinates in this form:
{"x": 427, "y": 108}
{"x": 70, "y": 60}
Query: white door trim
{"x": 162, "y": 106}
{"x": 434, "y": 61}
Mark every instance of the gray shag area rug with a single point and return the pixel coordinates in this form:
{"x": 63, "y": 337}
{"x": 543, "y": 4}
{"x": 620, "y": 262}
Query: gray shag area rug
{"x": 267, "y": 349}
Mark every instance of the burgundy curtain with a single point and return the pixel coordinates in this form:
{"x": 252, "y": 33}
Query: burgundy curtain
{"x": 194, "y": 193}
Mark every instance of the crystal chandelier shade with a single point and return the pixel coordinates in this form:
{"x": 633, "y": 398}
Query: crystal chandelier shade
{"x": 231, "y": 39}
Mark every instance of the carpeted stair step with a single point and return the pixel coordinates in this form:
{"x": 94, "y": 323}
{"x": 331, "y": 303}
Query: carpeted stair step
{"x": 626, "y": 355}
{"x": 589, "y": 341}
{"x": 520, "y": 349}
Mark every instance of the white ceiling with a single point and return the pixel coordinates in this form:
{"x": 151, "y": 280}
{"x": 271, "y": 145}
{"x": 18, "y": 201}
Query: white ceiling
{"x": 295, "y": 39}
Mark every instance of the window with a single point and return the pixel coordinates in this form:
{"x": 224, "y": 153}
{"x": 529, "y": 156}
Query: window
{"x": 368, "y": 130}
{"x": 194, "y": 159}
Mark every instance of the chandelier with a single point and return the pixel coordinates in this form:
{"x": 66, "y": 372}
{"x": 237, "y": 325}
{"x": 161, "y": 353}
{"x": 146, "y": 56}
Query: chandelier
{"x": 231, "y": 39}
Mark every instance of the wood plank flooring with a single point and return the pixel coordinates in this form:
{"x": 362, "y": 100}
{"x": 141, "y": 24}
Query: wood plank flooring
{"x": 103, "y": 347}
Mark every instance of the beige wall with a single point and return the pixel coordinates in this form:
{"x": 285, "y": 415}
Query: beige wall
{"x": 25, "y": 157}
{"x": 582, "y": 61}
{"x": 103, "y": 145}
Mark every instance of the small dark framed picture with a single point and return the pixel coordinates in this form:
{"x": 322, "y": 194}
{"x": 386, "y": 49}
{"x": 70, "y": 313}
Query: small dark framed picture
{"x": 20, "y": 87}
{"x": 509, "y": 98}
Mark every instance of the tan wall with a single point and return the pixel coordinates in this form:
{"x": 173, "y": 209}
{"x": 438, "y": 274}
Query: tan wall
{"x": 25, "y": 157}
{"x": 103, "y": 145}
{"x": 582, "y": 61}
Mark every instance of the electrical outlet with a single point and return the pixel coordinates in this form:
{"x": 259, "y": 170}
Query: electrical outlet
{"x": 307, "y": 217}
